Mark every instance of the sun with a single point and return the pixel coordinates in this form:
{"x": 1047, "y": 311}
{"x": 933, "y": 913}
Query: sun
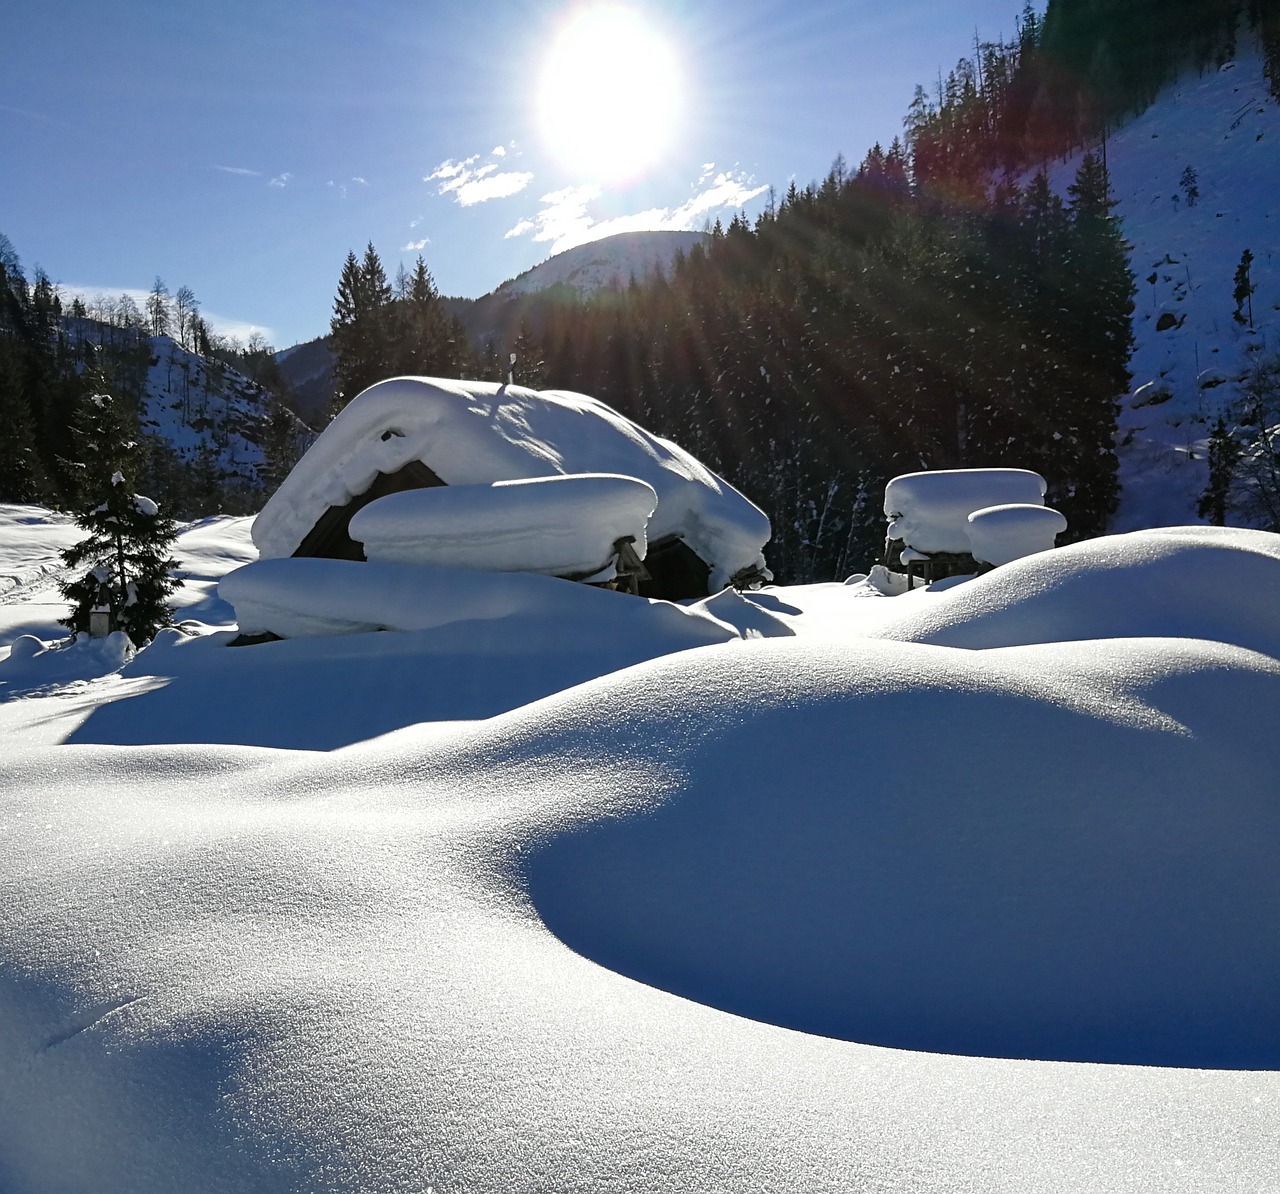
{"x": 610, "y": 93}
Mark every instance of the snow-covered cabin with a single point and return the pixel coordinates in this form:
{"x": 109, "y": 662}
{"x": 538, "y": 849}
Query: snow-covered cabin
{"x": 931, "y": 529}
{"x": 416, "y": 433}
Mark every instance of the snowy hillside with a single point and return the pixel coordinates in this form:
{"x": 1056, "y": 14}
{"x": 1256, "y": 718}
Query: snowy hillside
{"x": 971, "y": 889}
{"x": 1190, "y": 351}
{"x": 207, "y": 412}
{"x": 605, "y": 264}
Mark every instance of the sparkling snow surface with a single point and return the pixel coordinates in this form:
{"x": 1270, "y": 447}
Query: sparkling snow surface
{"x": 476, "y": 433}
{"x": 567, "y": 946}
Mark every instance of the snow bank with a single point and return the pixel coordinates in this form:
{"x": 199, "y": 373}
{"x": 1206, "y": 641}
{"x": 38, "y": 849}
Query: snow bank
{"x": 310, "y": 596}
{"x": 471, "y": 433}
{"x": 411, "y": 964}
{"x": 1069, "y": 855}
{"x": 557, "y": 526}
{"x": 1000, "y": 534}
{"x": 33, "y": 663}
{"x": 1216, "y": 583}
{"x": 929, "y": 511}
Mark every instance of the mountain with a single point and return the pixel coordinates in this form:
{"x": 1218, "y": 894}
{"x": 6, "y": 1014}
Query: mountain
{"x": 1191, "y": 353}
{"x": 605, "y": 264}
{"x": 572, "y": 276}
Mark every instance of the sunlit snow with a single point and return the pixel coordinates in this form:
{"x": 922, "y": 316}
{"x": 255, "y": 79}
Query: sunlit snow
{"x": 812, "y": 888}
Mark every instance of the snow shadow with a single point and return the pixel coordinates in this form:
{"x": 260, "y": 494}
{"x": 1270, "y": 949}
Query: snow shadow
{"x": 1016, "y": 854}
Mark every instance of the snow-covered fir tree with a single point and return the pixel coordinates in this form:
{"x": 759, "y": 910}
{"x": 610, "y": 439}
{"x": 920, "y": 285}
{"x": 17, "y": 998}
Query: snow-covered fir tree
{"x": 123, "y": 566}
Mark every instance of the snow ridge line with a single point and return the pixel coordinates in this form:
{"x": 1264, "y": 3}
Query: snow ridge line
{"x": 88, "y": 1020}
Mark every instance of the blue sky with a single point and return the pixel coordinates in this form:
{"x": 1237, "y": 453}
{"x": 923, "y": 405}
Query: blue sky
{"x": 242, "y": 148}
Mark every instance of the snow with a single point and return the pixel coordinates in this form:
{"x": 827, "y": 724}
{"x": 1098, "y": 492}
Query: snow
{"x": 557, "y": 526}
{"x": 608, "y": 263}
{"x": 971, "y": 888}
{"x": 478, "y": 433}
{"x": 929, "y": 511}
{"x": 1000, "y": 534}
{"x": 315, "y": 596}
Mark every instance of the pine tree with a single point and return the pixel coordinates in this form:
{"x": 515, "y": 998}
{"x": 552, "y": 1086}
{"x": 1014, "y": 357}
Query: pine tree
{"x": 1099, "y": 309}
{"x": 421, "y": 347}
{"x": 362, "y": 338}
{"x": 130, "y": 571}
{"x": 279, "y": 441}
{"x": 1244, "y": 288}
{"x": 128, "y": 544}
{"x": 1224, "y": 455}
{"x": 1190, "y": 184}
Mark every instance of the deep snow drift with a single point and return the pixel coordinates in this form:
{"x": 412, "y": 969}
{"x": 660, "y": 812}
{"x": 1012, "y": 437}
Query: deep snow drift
{"x": 1029, "y": 816}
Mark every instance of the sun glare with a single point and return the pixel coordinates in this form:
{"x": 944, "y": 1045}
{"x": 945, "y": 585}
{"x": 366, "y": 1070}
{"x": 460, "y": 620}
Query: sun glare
{"x": 609, "y": 94}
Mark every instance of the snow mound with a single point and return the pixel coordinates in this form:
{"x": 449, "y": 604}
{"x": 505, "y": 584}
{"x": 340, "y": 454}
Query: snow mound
{"x": 556, "y": 526}
{"x": 1216, "y": 583}
{"x": 34, "y": 664}
{"x": 478, "y": 433}
{"x": 966, "y": 892}
{"x": 1001, "y": 534}
{"x": 929, "y": 511}
{"x": 302, "y": 597}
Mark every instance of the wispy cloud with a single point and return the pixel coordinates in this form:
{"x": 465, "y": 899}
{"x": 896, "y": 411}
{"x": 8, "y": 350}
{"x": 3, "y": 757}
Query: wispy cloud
{"x": 469, "y": 183}
{"x": 565, "y": 218}
{"x": 363, "y": 182}
{"x": 239, "y": 170}
{"x": 340, "y": 187}
{"x": 415, "y": 245}
{"x": 281, "y": 180}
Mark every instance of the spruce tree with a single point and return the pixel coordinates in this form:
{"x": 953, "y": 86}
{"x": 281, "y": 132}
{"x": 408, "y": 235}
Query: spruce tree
{"x": 124, "y": 563}
{"x": 130, "y": 571}
{"x": 1244, "y": 288}
{"x": 1224, "y": 455}
{"x": 361, "y": 335}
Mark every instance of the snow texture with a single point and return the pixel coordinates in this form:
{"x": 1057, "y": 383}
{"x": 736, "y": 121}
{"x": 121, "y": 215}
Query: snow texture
{"x": 1003, "y": 850}
{"x": 557, "y": 526}
{"x": 929, "y": 511}
{"x": 477, "y": 433}
{"x": 1001, "y": 534}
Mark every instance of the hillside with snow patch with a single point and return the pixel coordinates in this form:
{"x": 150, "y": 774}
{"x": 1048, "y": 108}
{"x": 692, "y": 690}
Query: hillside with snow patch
{"x": 1190, "y": 352}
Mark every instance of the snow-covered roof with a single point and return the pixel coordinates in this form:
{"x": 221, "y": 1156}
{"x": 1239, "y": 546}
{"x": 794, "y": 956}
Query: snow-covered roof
{"x": 473, "y": 432}
{"x": 1001, "y": 534}
{"x": 929, "y": 511}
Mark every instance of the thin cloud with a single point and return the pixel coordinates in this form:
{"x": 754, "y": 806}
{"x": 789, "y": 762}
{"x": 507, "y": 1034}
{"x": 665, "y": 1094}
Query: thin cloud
{"x": 565, "y": 219}
{"x": 281, "y": 180}
{"x": 469, "y": 184}
{"x": 415, "y": 245}
{"x": 241, "y": 170}
{"x": 364, "y": 182}
{"x": 340, "y": 187}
